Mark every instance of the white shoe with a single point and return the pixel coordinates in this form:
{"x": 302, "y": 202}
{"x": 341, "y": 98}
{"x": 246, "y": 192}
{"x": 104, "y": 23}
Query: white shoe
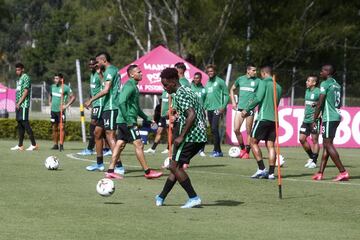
{"x": 311, "y": 165}
{"x": 150, "y": 150}
{"x": 32, "y": 148}
{"x": 308, "y": 162}
{"x": 192, "y": 202}
{"x": 17, "y": 148}
{"x": 260, "y": 174}
{"x": 166, "y": 151}
{"x": 271, "y": 177}
{"x": 282, "y": 161}
{"x": 202, "y": 154}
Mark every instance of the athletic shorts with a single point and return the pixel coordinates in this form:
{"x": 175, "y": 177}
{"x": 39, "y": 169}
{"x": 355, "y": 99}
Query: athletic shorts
{"x": 307, "y": 128}
{"x": 162, "y": 122}
{"x": 55, "y": 117}
{"x": 264, "y": 130}
{"x": 249, "y": 113}
{"x": 96, "y": 112}
{"x": 107, "y": 120}
{"x": 22, "y": 114}
{"x": 328, "y": 129}
{"x": 186, "y": 151}
{"x": 127, "y": 133}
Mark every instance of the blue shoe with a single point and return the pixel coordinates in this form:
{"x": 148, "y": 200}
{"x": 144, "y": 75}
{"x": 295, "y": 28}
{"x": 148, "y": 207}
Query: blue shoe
{"x": 260, "y": 174}
{"x": 119, "y": 170}
{"x": 96, "y": 167}
{"x": 217, "y": 154}
{"x": 85, "y": 152}
{"x": 159, "y": 201}
{"x": 192, "y": 202}
{"x": 107, "y": 153}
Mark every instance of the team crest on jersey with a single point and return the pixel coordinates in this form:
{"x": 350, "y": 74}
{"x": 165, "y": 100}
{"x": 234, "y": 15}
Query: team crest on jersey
{"x": 215, "y": 84}
{"x": 252, "y": 83}
{"x": 203, "y": 91}
{"x": 312, "y": 96}
{"x": 322, "y": 89}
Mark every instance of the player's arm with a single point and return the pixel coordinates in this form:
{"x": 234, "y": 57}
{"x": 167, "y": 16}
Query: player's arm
{"x": 22, "y": 99}
{"x": 232, "y": 96}
{"x": 50, "y": 99}
{"x": 260, "y": 94}
{"x": 144, "y": 116}
{"x": 318, "y": 107}
{"x": 226, "y": 98}
{"x": 102, "y": 93}
{"x": 71, "y": 100}
{"x": 189, "y": 121}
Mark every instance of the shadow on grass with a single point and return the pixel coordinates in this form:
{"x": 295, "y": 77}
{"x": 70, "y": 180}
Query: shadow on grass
{"x": 298, "y": 175}
{"x": 222, "y": 203}
{"x": 113, "y": 203}
{"x": 207, "y": 166}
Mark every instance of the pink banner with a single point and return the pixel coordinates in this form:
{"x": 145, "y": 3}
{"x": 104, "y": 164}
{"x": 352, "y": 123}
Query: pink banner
{"x": 7, "y": 98}
{"x": 290, "y": 120}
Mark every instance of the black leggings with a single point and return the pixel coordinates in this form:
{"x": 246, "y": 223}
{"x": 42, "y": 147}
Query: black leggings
{"x": 214, "y": 119}
{"x": 23, "y": 126}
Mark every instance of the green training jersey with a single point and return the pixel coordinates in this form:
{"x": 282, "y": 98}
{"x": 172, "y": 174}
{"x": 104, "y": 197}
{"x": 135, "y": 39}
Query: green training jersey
{"x": 200, "y": 92}
{"x": 217, "y": 94}
{"x": 55, "y": 93}
{"x": 110, "y": 100}
{"x": 24, "y": 82}
{"x": 247, "y": 88}
{"x": 311, "y": 99}
{"x": 186, "y": 99}
{"x": 265, "y": 99}
{"x": 331, "y": 108}
{"x": 164, "y": 103}
{"x": 95, "y": 88}
{"x": 184, "y": 82}
{"x": 129, "y": 104}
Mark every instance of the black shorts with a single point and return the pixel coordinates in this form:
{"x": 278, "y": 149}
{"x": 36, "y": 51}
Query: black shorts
{"x": 264, "y": 130}
{"x": 249, "y": 113}
{"x": 328, "y": 129}
{"x": 186, "y": 151}
{"x": 107, "y": 120}
{"x": 96, "y": 112}
{"x": 22, "y": 114}
{"x": 55, "y": 117}
{"x": 307, "y": 129}
{"x": 162, "y": 122}
{"x": 127, "y": 134}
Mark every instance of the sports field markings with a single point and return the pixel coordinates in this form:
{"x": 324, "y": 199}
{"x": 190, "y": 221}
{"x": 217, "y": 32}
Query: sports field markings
{"x": 75, "y": 157}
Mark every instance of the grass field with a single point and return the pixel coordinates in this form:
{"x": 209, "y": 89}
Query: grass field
{"x": 36, "y": 203}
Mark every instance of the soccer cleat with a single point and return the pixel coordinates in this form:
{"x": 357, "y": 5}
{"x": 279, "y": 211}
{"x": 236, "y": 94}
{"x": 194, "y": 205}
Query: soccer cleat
{"x": 55, "y": 147}
{"x": 96, "y": 167}
{"x": 344, "y": 176}
{"x": 260, "y": 174}
{"x": 159, "y": 201}
{"x": 245, "y": 156}
{"x": 202, "y": 154}
{"x": 271, "y": 177}
{"x": 107, "y": 153}
{"x": 282, "y": 161}
{"x": 185, "y": 166}
{"x": 308, "y": 162}
{"x": 61, "y": 147}
{"x": 217, "y": 154}
{"x": 113, "y": 175}
{"x": 153, "y": 174}
{"x": 85, "y": 152}
{"x": 311, "y": 165}
{"x": 318, "y": 176}
{"x": 150, "y": 150}
{"x": 166, "y": 151}
{"x": 192, "y": 202}
{"x": 32, "y": 148}
{"x": 17, "y": 148}
{"x": 119, "y": 170}
{"x": 242, "y": 152}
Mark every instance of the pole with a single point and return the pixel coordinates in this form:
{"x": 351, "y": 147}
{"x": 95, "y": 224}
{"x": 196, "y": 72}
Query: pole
{"x": 62, "y": 130}
{"x": 228, "y": 74}
{"x": 82, "y": 115}
{"x": 277, "y": 137}
{"x": 293, "y": 86}
{"x": 344, "y": 74}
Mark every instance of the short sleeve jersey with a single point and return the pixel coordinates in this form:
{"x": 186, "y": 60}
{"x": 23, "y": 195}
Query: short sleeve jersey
{"x": 23, "y": 83}
{"x": 95, "y": 88}
{"x": 200, "y": 91}
{"x": 311, "y": 99}
{"x": 331, "y": 110}
{"x": 56, "y": 96}
{"x": 164, "y": 103}
{"x": 184, "y": 82}
{"x": 110, "y": 100}
{"x": 247, "y": 88}
{"x": 186, "y": 99}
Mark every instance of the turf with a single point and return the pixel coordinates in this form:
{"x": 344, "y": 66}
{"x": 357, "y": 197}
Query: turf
{"x": 36, "y": 203}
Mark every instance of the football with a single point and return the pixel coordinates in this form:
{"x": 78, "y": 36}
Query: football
{"x": 234, "y": 152}
{"x": 52, "y": 163}
{"x": 105, "y": 187}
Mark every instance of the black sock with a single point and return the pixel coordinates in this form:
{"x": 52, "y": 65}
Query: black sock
{"x": 100, "y": 160}
{"x": 242, "y": 146}
{"x": 167, "y": 188}
{"x": 261, "y": 164}
{"x": 119, "y": 164}
{"x": 310, "y": 153}
{"x": 315, "y": 157}
{"x": 188, "y": 188}
{"x": 110, "y": 170}
{"x": 147, "y": 171}
{"x": 91, "y": 144}
{"x": 271, "y": 169}
{"x": 154, "y": 145}
{"x": 248, "y": 148}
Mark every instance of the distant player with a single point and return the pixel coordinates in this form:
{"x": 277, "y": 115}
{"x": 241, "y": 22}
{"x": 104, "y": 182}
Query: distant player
{"x": 217, "y": 98}
{"x": 23, "y": 89}
{"x": 181, "y": 68}
{"x": 57, "y": 92}
{"x": 264, "y": 127}
{"x": 247, "y": 85}
{"x": 329, "y": 106}
{"x": 312, "y": 94}
{"x": 128, "y": 131}
{"x": 192, "y": 137}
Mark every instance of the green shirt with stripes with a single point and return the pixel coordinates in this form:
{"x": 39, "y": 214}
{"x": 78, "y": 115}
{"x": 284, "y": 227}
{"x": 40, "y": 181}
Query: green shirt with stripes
{"x": 55, "y": 93}
{"x": 24, "y": 82}
{"x": 247, "y": 88}
{"x": 111, "y": 75}
{"x": 331, "y": 108}
{"x": 95, "y": 88}
{"x": 217, "y": 94}
{"x": 311, "y": 99}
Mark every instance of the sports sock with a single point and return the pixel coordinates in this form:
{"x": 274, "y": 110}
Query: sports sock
{"x": 315, "y": 157}
{"x": 167, "y": 188}
{"x": 310, "y": 153}
{"x": 154, "y": 145}
{"x": 106, "y": 149}
{"x": 261, "y": 164}
{"x": 271, "y": 169}
{"x": 100, "y": 160}
{"x": 91, "y": 144}
{"x": 29, "y": 131}
{"x": 248, "y": 148}
{"x": 119, "y": 164}
{"x": 242, "y": 146}
{"x": 147, "y": 171}
{"x": 21, "y": 131}
{"x": 188, "y": 188}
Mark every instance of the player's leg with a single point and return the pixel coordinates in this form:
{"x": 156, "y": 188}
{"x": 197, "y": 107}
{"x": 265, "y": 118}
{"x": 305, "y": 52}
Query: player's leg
{"x": 272, "y": 158}
{"x": 62, "y": 132}
{"x": 30, "y": 133}
{"x": 330, "y": 148}
{"x": 249, "y": 125}
{"x": 55, "y": 135}
{"x": 156, "y": 141}
{"x": 304, "y": 133}
{"x": 315, "y": 149}
{"x": 238, "y": 121}
{"x": 89, "y": 149}
{"x": 324, "y": 159}
{"x": 258, "y": 133}
{"x": 116, "y": 152}
{"x": 216, "y": 134}
{"x": 21, "y": 132}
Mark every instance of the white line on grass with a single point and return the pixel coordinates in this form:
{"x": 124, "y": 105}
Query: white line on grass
{"x": 72, "y": 156}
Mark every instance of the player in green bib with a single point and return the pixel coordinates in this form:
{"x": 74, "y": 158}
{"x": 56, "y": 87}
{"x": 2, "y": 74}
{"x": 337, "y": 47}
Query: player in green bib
{"x": 312, "y": 94}
{"x": 127, "y": 129}
{"x": 59, "y": 91}
{"x": 264, "y": 127}
{"x": 23, "y": 90}
{"x": 329, "y": 106}
{"x": 247, "y": 85}
{"x": 192, "y": 137}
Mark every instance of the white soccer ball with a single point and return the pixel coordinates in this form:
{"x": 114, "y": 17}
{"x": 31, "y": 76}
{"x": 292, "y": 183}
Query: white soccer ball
{"x": 105, "y": 187}
{"x": 52, "y": 163}
{"x": 166, "y": 163}
{"x": 234, "y": 152}
{"x": 282, "y": 161}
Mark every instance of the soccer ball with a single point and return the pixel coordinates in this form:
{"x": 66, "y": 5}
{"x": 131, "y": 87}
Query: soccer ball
{"x": 282, "y": 161}
{"x": 166, "y": 163}
{"x": 105, "y": 187}
{"x": 52, "y": 163}
{"x": 234, "y": 152}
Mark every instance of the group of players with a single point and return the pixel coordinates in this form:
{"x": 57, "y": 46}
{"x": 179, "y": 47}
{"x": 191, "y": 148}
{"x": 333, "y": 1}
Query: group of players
{"x": 115, "y": 109}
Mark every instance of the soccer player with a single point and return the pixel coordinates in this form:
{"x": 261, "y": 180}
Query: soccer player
{"x": 126, "y": 121}
{"x": 107, "y": 119}
{"x": 181, "y": 68}
{"x": 264, "y": 127}
{"x": 23, "y": 88}
{"x": 199, "y": 90}
{"x": 217, "y": 97}
{"x": 247, "y": 85}
{"x": 329, "y": 105}
{"x": 192, "y": 137}
{"x": 59, "y": 92}
{"x": 311, "y": 98}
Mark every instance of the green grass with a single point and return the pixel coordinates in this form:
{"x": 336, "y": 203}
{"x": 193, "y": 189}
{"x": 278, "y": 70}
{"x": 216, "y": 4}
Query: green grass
{"x": 39, "y": 204}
